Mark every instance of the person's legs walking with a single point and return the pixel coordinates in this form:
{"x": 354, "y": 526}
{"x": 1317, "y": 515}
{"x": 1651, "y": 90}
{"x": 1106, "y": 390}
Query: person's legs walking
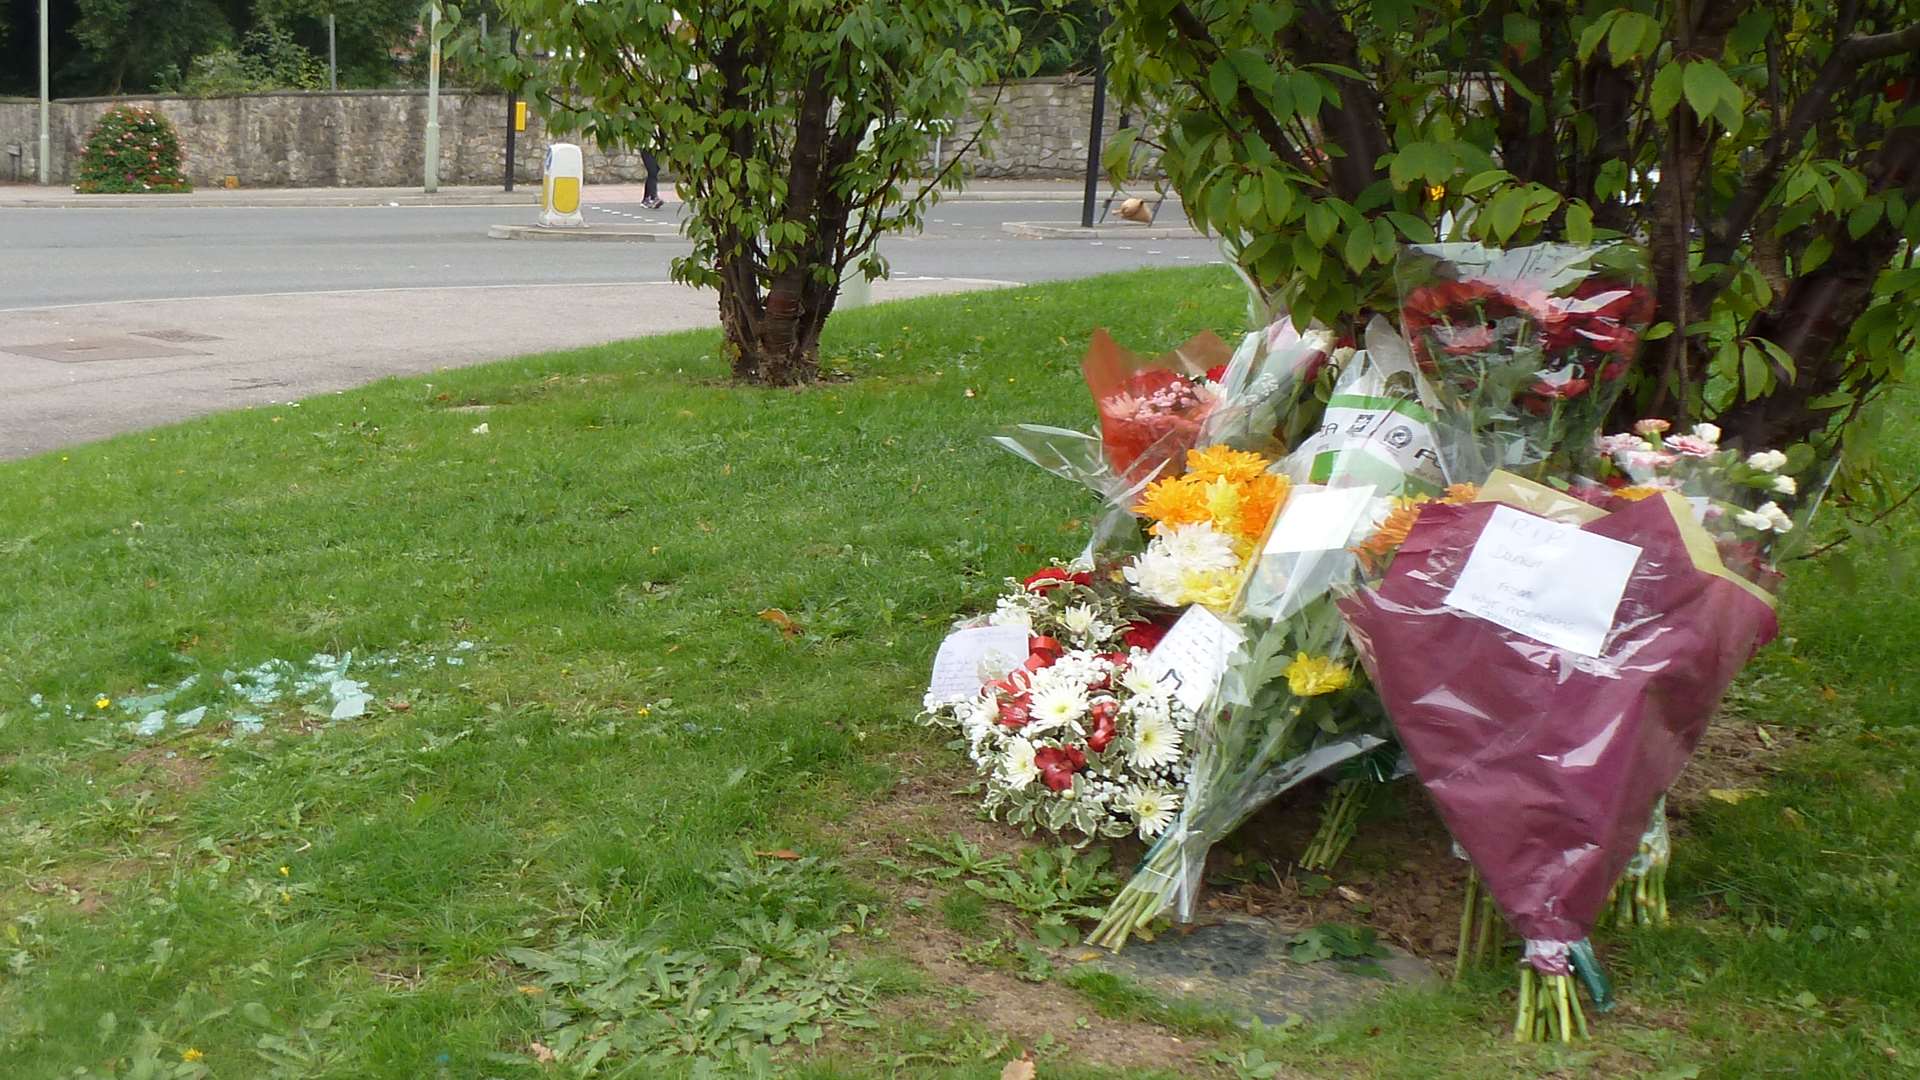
{"x": 652, "y": 198}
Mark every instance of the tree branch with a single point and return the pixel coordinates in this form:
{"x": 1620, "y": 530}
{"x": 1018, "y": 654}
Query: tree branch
{"x": 1860, "y": 48}
{"x": 1190, "y": 26}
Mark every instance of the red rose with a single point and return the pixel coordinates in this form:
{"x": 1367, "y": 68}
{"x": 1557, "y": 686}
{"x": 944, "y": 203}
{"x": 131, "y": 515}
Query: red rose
{"x": 1104, "y": 727}
{"x": 1143, "y": 635}
{"x": 1216, "y": 373}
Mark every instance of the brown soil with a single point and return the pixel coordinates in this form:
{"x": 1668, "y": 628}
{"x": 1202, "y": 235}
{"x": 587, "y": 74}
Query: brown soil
{"x": 924, "y": 808}
{"x": 1399, "y": 876}
{"x": 170, "y": 769}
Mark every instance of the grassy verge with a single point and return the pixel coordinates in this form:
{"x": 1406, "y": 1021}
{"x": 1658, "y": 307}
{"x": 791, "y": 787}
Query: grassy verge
{"x": 642, "y": 639}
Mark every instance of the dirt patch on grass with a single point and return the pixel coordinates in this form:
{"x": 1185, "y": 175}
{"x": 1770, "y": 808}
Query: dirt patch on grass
{"x": 924, "y": 807}
{"x": 171, "y": 769}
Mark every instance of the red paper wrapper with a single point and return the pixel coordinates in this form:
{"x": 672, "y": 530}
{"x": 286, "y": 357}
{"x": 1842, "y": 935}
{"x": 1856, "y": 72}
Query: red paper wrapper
{"x": 1545, "y": 763}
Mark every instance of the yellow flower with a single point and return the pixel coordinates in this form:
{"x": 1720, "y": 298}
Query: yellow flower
{"x": 286, "y": 872}
{"x": 1173, "y": 501}
{"x": 1225, "y": 463}
{"x": 191, "y": 1053}
{"x": 1637, "y": 492}
{"x": 1310, "y": 676}
{"x": 1223, "y": 505}
{"x": 102, "y": 702}
{"x": 1460, "y": 494}
{"x": 1212, "y": 589}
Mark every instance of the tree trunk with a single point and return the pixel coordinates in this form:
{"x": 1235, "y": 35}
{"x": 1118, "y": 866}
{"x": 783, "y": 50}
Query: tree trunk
{"x": 772, "y": 344}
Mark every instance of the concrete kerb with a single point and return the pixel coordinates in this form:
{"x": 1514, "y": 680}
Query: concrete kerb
{"x": 583, "y": 234}
{"x": 1069, "y": 230}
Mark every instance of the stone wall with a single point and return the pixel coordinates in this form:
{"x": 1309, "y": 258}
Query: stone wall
{"x": 362, "y": 138}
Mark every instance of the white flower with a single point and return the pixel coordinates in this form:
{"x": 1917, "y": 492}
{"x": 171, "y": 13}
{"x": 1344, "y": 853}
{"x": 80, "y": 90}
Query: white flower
{"x": 1017, "y": 766}
{"x": 1767, "y": 460}
{"x": 1009, "y": 611}
{"x": 1199, "y": 547}
{"x": 1156, "y": 742}
{"x": 1152, "y": 807}
{"x": 1083, "y": 623}
{"x": 1056, "y": 705}
{"x": 1709, "y": 432}
{"x": 1136, "y": 680}
{"x": 1785, "y": 485}
{"x": 1751, "y": 520}
{"x": 1625, "y": 442}
{"x": 1781, "y": 522}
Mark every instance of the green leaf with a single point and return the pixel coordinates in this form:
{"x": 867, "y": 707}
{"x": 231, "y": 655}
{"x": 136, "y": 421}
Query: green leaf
{"x": 1657, "y": 331}
{"x": 1223, "y": 82}
{"x": 1668, "y": 86}
{"x": 1482, "y": 181}
{"x": 1359, "y": 249}
{"x": 1631, "y": 35}
{"x": 1707, "y": 88}
{"x": 1279, "y": 197}
{"x": 1579, "y": 223}
{"x": 1306, "y": 256}
{"x": 1415, "y": 229}
{"x": 1753, "y": 372}
{"x": 1505, "y": 212}
{"x": 1863, "y": 218}
{"x": 1593, "y": 35}
{"x": 1321, "y": 223}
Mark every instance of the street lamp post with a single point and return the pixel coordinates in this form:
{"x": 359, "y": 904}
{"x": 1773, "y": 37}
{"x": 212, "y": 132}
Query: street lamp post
{"x": 46, "y": 139}
{"x": 433, "y": 101}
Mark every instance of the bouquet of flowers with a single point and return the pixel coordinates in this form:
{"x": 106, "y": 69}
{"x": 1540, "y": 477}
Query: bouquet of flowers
{"x": 1527, "y": 347}
{"x": 1275, "y": 700}
{"x": 1549, "y": 667}
{"x": 1073, "y": 737}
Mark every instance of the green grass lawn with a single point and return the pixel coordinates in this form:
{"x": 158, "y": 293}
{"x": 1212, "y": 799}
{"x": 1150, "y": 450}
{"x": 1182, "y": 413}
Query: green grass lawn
{"x": 646, "y": 625}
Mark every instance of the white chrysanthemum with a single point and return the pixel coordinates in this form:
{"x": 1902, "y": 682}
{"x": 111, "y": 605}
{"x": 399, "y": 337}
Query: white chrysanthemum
{"x": 1785, "y": 485}
{"x": 1084, "y": 624}
{"x": 1773, "y": 513}
{"x": 1016, "y": 765}
{"x": 1198, "y": 547}
{"x": 1155, "y": 575}
{"x": 1709, "y": 432}
{"x": 1767, "y": 460}
{"x": 1152, "y": 807}
{"x": 1140, "y": 683}
{"x": 1056, "y": 706}
{"x": 1156, "y": 742}
{"x": 1753, "y": 520}
{"x": 1011, "y": 612}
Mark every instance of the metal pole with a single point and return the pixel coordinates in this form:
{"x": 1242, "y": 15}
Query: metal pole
{"x": 333, "y": 63}
{"x": 46, "y": 138}
{"x": 1093, "y": 136}
{"x": 433, "y": 101}
{"x": 513, "y": 106}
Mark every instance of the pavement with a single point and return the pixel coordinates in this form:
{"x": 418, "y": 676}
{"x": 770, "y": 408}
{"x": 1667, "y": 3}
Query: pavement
{"x": 27, "y": 196}
{"x": 114, "y": 319}
{"x": 74, "y": 374}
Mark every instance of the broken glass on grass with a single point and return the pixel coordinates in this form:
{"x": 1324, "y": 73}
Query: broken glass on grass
{"x": 326, "y": 687}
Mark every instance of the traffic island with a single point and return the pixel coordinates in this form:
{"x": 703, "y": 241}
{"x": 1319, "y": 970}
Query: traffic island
{"x": 1069, "y": 230}
{"x": 630, "y": 234}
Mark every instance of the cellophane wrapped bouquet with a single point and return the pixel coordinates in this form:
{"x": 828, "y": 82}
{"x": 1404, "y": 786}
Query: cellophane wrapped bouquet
{"x": 1550, "y": 652}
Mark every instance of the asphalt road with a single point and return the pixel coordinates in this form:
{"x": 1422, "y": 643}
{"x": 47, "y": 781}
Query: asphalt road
{"x": 117, "y": 319}
{"x": 84, "y": 256}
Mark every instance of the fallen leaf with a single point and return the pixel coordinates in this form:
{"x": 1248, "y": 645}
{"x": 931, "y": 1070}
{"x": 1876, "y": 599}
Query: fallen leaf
{"x": 399, "y": 706}
{"x": 1350, "y": 895}
{"x": 540, "y": 1053}
{"x": 1765, "y": 736}
{"x": 1020, "y": 1068}
{"x": 1733, "y": 796}
{"x": 783, "y": 853}
{"x": 782, "y": 620}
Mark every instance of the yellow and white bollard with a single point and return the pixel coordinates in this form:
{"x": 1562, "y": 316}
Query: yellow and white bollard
{"x": 562, "y": 181}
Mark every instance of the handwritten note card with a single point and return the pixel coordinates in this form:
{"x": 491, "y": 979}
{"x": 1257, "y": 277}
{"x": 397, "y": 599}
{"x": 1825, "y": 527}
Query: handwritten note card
{"x": 1319, "y": 520}
{"x": 1551, "y": 582}
{"x": 1190, "y": 660}
{"x": 968, "y": 658}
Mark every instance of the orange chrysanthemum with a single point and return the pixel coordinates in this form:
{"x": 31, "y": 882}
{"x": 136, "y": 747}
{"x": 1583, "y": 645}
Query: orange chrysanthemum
{"x": 1222, "y": 462}
{"x": 1376, "y": 549}
{"x": 1260, "y": 499}
{"x": 1175, "y": 500}
{"x": 1636, "y": 492}
{"x": 1460, "y": 494}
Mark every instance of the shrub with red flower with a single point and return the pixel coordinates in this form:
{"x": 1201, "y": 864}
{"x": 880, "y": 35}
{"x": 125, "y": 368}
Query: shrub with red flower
{"x": 131, "y": 149}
